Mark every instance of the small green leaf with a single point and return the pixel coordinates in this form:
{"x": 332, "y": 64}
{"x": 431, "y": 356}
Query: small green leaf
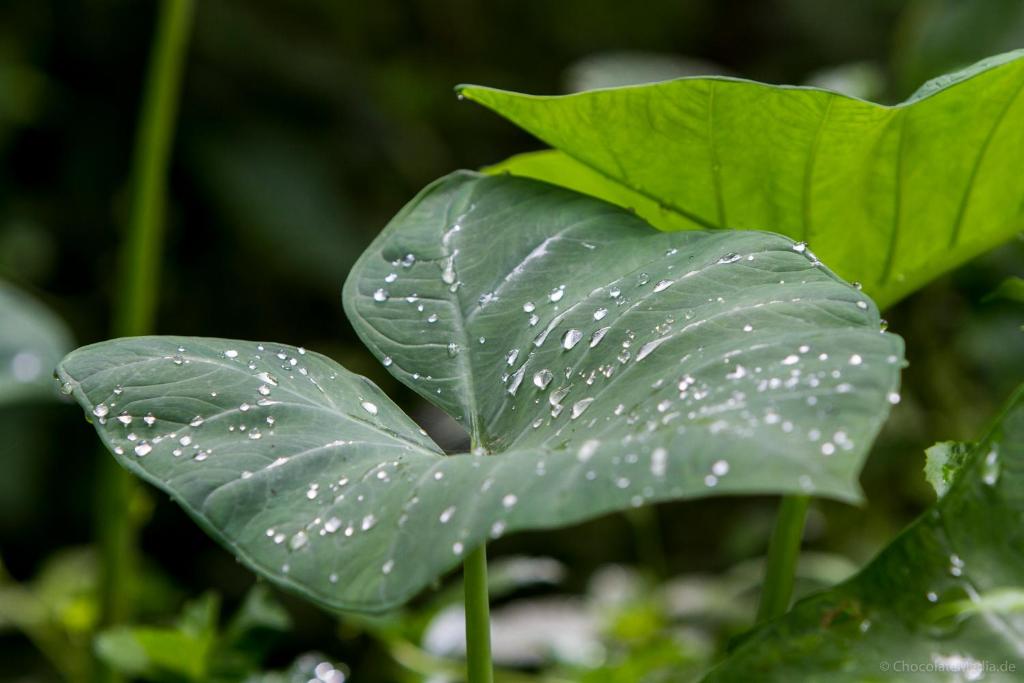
{"x": 32, "y": 340}
{"x": 942, "y": 602}
{"x": 888, "y": 196}
{"x": 159, "y": 654}
{"x": 604, "y": 365}
{"x": 199, "y": 617}
{"x": 194, "y": 649}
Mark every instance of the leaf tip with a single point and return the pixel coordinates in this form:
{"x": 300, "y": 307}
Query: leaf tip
{"x": 473, "y": 92}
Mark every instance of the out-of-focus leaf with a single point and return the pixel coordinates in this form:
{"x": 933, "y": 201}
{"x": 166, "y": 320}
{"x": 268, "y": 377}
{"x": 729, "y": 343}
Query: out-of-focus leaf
{"x": 530, "y": 632}
{"x": 57, "y": 610}
{"x": 194, "y": 649}
{"x": 32, "y": 341}
{"x": 199, "y": 617}
{"x": 616, "y": 69}
{"x": 159, "y": 654}
{"x": 155, "y": 654}
{"x": 865, "y": 80}
{"x": 505, "y": 575}
{"x": 888, "y": 196}
{"x": 943, "y": 598}
{"x": 60, "y": 596}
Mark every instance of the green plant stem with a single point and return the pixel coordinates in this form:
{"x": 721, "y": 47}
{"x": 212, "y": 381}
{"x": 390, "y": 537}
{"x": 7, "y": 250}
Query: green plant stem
{"x": 137, "y": 286}
{"x": 783, "y": 552}
{"x": 142, "y": 249}
{"x": 478, "y": 618}
{"x": 425, "y": 665}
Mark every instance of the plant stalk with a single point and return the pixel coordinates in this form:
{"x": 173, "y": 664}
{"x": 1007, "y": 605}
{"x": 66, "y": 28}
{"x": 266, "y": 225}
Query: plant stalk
{"x": 478, "y": 618}
{"x": 783, "y": 552}
{"x": 142, "y": 249}
{"x": 138, "y": 283}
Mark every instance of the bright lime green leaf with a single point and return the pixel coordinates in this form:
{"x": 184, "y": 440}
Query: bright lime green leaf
{"x": 888, "y": 196}
{"x": 599, "y": 363}
{"x": 559, "y": 169}
{"x": 944, "y": 597}
{"x": 32, "y": 340}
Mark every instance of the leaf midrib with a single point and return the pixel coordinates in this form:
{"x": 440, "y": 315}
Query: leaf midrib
{"x": 462, "y": 360}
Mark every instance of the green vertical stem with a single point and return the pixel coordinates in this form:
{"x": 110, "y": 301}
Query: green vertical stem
{"x": 783, "y": 552}
{"x": 478, "y": 618}
{"x": 138, "y": 283}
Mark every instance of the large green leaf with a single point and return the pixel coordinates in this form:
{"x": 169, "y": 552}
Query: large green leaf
{"x": 606, "y": 364}
{"x": 32, "y": 340}
{"x": 539, "y": 317}
{"x": 945, "y": 601}
{"x": 888, "y": 196}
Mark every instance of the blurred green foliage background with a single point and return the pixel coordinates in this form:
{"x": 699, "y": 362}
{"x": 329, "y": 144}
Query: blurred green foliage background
{"x": 304, "y": 126}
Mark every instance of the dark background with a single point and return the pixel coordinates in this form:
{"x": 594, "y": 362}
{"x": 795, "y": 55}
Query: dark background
{"x": 304, "y": 126}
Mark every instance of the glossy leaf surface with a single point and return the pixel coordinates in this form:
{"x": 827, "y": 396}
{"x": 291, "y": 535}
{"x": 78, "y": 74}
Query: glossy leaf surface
{"x": 618, "y": 366}
{"x": 32, "y": 341}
